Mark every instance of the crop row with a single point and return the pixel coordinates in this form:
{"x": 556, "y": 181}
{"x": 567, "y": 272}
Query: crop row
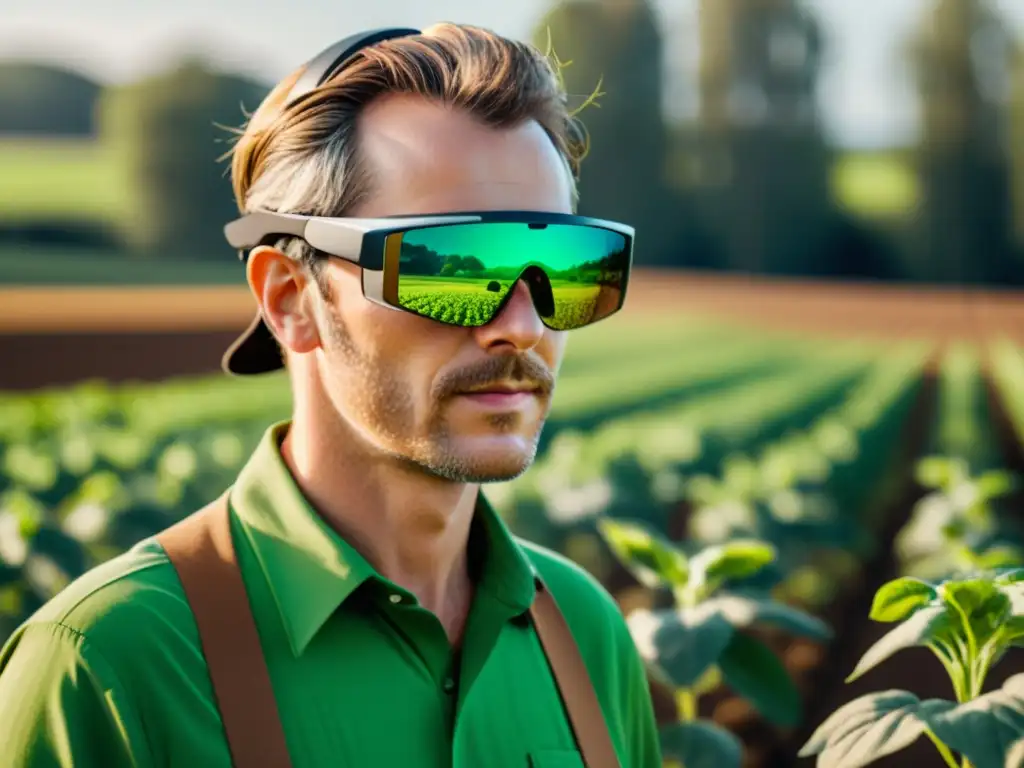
{"x": 951, "y": 600}
{"x": 742, "y": 479}
{"x": 793, "y": 464}
{"x": 87, "y": 471}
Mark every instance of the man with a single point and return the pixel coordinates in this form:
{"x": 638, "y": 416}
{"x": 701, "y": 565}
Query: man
{"x": 422, "y": 351}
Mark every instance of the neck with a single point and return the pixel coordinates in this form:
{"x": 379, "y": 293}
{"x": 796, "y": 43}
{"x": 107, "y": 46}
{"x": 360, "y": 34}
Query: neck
{"x": 412, "y": 528}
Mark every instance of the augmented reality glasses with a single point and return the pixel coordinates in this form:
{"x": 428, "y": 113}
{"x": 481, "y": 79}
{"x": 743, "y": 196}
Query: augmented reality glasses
{"x": 461, "y": 268}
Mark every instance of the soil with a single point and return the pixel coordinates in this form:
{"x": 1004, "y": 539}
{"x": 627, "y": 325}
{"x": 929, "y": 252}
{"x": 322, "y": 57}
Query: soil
{"x": 847, "y": 309}
{"x": 852, "y": 309}
{"x": 56, "y": 336}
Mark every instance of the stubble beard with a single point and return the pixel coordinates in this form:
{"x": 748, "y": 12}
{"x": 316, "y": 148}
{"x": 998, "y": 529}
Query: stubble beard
{"x": 383, "y": 412}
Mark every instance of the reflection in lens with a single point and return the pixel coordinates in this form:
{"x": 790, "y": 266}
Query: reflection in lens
{"x": 462, "y": 273}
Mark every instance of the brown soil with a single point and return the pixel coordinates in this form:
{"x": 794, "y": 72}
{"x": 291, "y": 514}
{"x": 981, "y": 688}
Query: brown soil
{"x": 41, "y": 310}
{"x": 849, "y": 309}
{"x": 853, "y": 309}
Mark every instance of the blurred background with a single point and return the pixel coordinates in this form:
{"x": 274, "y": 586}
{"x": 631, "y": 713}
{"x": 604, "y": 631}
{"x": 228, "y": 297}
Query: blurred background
{"x": 823, "y": 347}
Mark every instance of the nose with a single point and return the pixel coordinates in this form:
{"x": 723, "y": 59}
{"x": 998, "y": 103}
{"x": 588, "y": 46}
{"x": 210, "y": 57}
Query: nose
{"x": 517, "y": 326}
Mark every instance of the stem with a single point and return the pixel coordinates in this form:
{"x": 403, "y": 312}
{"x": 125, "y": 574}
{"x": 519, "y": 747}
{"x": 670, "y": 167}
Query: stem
{"x": 943, "y": 749}
{"x": 972, "y": 643}
{"x": 972, "y": 655}
{"x": 954, "y": 668}
{"x": 984, "y": 663}
{"x": 687, "y": 701}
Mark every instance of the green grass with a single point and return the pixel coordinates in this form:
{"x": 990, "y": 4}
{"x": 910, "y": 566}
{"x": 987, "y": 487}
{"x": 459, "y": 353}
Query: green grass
{"x": 55, "y": 179}
{"x": 69, "y": 266}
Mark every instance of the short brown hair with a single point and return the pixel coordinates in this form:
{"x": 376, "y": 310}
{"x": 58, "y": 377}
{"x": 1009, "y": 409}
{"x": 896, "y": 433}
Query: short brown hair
{"x": 302, "y": 157}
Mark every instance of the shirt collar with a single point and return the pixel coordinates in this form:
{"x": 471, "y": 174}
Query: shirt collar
{"x": 311, "y": 570}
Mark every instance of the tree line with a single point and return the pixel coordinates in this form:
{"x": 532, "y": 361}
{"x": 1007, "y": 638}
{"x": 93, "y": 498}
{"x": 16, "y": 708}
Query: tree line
{"x": 743, "y": 187}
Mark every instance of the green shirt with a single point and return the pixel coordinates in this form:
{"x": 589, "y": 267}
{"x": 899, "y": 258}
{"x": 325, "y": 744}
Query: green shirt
{"x": 110, "y": 673}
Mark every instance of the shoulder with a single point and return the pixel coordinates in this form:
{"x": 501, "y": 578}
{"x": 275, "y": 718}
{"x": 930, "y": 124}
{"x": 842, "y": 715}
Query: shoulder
{"x": 129, "y": 613}
{"x": 138, "y": 586}
{"x": 126, "y": 628}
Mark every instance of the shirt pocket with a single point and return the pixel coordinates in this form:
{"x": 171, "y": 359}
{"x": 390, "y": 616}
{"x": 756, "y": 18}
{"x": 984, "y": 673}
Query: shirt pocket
{"x": 556, "y": 758}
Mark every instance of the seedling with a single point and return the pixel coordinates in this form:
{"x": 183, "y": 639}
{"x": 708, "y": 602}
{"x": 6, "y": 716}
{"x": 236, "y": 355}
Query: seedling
{"x": 700, "y": 640}
{"x": 961, "y": 509}
{"x": 969, "y": 624}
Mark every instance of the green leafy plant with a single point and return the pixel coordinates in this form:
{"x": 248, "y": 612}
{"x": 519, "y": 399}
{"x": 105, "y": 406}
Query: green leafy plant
{"x": 969, "y": 624}
{"x": 956, "y": 527}
{"x": 702, "y": 638}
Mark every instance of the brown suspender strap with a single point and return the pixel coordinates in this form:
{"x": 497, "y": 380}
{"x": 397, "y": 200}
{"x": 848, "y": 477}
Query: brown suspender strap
{"x": 201, "y": 550}
{"x": 573, "y": 680}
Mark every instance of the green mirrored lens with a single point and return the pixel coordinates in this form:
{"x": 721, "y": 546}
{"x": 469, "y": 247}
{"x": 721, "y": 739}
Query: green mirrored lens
{"x": 461, "y": 273}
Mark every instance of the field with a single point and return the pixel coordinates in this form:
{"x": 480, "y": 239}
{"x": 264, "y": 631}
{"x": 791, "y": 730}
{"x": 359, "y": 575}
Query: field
{"x": 88, "y": 267}
{"x": 473, "y": 300}
{"x": 61, "y": 179}
{"x": 712, "y": 411}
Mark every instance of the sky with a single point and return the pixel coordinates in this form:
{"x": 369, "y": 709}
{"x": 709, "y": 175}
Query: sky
{"x": 866, "y": 100}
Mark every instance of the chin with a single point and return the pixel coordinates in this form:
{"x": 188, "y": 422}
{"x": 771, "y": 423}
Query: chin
{"x": 485, "y": 460}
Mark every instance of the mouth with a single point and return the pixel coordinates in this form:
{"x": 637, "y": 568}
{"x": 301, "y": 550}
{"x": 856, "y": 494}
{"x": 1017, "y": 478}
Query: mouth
{"x": 503, "y": 396}
{"x": 504, "y": 389}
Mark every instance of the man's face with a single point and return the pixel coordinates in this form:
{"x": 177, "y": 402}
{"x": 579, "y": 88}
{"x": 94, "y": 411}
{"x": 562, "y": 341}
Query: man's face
{"x": 401, "y": 382}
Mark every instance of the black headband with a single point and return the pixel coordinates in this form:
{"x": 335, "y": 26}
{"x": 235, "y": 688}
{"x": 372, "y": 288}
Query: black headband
{"x": 329, "y": 62}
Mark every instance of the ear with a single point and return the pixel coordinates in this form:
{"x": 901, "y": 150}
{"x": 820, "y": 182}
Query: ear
{"x": 279, "y": 285}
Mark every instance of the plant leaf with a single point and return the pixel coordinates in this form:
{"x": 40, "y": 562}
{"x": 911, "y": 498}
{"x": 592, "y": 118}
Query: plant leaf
{"x": 688, "y": 641}
{"x": 925, "y": 625}
{"x": 969, "y": 594}
{"x": 986, "y": 605}
{"x": 995, "y": 483}
{"x": 1013, "y": 630}
{"x": 1015, "y": 755}
{"x": 935, "y": 471}
{"x": 871, "y": 727}
{"x": 753, "y": 671}
{"x": 897, "y": 599}
{"x": 744, "y": 612}
{"x": 733, "y": 560}
{"x": 650, "y": 558}
{"x": 1000, "y": 557}
{"x": 1013, "y": 626}
{"x": 1010, "y": 576}
{"x": 701, "y": 744}
{"x": 985, "y": 728}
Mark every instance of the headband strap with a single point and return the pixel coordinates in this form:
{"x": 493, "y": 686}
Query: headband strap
{"x": 331, "y": 60}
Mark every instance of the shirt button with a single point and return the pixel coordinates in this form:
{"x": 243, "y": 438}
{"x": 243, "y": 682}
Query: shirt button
{"x": 395, "y": 599}
{"x": 449, "y": 685}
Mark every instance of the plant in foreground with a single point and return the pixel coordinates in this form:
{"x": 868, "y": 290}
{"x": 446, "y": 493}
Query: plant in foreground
{"x": 969, "y": 624}
{"x": 699, "y": 640}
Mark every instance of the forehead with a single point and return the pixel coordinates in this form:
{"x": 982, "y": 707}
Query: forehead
{"x": 426, "y": 157}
